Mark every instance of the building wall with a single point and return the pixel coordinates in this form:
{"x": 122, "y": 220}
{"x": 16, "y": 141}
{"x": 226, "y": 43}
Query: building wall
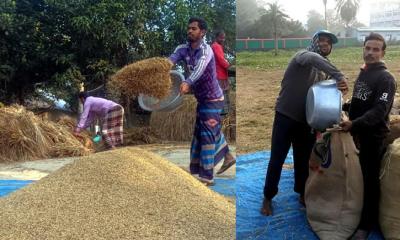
{"x": 389, "y": 35}
{"x": 385, "y": 13}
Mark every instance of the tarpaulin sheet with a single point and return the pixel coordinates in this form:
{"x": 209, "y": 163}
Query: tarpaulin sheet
{"x": 225, "y": 186}
{"x": 289, "y": 220}
{"x": 8, "y": 186}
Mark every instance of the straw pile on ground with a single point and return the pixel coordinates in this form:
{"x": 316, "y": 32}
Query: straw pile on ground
{"x": 229, "y": 121}
{"x": 179, "y": 125}
{"x": 27, "y": 137}
{"x": 126, "y": 193}
{"x": 140, "y": 135}
{"x": 150, "y": 77}
{"x": 84, "y": 137}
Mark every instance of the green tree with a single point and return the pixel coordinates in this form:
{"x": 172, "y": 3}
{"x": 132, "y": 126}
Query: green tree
{"x": 55, "y": 45}
{"x": 348, "y": 11}
{"x": 325, "y": 15}
{"x": 277, "y": 17}
{"x": 315, "y": 22}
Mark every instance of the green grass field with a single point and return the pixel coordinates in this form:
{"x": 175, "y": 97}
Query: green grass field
{"x": 265, "y": 60}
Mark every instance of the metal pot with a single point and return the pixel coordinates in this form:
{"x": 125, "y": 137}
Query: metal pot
{"x": 324, "y": 105}
{"x": 169, "y": 103}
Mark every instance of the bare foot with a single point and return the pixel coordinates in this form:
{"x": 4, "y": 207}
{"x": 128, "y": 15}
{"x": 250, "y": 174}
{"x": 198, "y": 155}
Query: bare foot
{"x": 266, "y": 208}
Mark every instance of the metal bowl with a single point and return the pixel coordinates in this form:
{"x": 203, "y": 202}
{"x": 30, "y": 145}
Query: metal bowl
{"x": 324, "y": 105}
{"x": 169, "y": 103}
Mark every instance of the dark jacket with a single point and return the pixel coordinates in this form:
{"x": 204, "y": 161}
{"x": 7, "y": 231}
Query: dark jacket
{"x": 372, "y": 100}
{"x": 305, "y": 69}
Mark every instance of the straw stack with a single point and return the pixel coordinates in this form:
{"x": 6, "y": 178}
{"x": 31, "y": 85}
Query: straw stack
{"x": 140, "y": 135}
{"x": 127, "y": 193}
{"x": 84, "y": 137}
{"x": 150, "y": 77}
{"x": 179, "y": 125}
{"x": 27, "y": 137}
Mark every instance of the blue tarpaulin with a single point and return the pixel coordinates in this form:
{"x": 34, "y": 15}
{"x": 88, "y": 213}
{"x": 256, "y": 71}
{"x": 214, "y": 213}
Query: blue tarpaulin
{"x": 289, "y": 220}
{"x": 225, "y": 186}
{"x": 8, "y": 186}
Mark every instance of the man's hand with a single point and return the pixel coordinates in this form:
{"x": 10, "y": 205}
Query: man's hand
{"x": 346, "y": 125}
{"x": 76, "y": 133}
{"x": 184, "y": 88}
{"x": 342, "y": 86}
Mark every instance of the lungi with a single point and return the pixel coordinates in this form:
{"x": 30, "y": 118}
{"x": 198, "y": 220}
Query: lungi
{"x": 113, "y": 124}
{"x": 208, "y": 144}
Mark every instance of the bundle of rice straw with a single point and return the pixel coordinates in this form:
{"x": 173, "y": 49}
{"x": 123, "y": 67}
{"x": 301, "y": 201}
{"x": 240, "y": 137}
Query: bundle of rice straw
{"x": 179, "y": 125}
{"x": 229, "y": 121}
{"x": 139, "y": 135}
{"x": 127, "y": 193}
{"x": 85, "y": 137}
{"x": 27, "y": 137}
{"x": 150, "y": 77}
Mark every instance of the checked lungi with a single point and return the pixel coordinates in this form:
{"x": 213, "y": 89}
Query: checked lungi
{"x": 208, "y": 145}
{"x": 113, "y": 126}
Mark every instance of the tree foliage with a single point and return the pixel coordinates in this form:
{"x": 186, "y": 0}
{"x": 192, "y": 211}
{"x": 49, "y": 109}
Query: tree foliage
{"x": 254, "y": 21}
{"x": 56, "y": 44}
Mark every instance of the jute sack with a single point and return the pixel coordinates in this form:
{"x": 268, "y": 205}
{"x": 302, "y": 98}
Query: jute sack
{"x": 334, "y": 188}
{"x": 389, "y": 204}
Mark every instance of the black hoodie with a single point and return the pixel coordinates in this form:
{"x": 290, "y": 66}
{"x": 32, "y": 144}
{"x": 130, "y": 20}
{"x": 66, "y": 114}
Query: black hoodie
{"x": 372, "y": 101}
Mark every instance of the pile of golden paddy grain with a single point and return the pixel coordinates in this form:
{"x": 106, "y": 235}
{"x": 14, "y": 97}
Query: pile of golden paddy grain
{"x": 179, "y": 125}
{"x": 126, "y": 193}
{"x": 150, "y": 77}
{"x": 27, "y": 137}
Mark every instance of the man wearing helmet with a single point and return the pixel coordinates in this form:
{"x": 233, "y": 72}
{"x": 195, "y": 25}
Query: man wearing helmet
{"x": 290, "y": 127}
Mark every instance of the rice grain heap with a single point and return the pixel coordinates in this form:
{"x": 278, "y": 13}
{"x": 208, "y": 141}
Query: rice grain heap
{"x": 127, "y": 193}
{"x": 25, "y": 136}
{"x": 149, "y": 76}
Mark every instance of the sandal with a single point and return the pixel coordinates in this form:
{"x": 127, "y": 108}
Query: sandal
{"x": 225, "y": 167}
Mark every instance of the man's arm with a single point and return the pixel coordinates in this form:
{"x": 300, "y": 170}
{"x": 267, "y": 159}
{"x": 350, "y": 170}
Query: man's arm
{"x": 382, "y": 105}
{"x": 177, "y": 55}
{"x": 314, "y": 59}
{"x": 219, "y": 55}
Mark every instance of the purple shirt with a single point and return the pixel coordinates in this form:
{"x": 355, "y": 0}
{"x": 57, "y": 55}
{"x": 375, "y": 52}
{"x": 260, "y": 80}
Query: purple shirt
{"x": 92, "y": 108}
{"x": 202, "y": 74}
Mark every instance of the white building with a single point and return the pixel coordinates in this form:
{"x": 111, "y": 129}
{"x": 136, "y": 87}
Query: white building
{"x": 389, "y": 33}
{"x": 385, "y": 13}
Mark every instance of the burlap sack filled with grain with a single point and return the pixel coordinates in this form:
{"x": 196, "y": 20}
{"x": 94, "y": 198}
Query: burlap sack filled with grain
{"x": 150, "y": 77}
{"x": 127, "y": 193}
{"x": 389, "y": 205}
{"x": 394, "y": 127}
{"x": 334, "y": 188}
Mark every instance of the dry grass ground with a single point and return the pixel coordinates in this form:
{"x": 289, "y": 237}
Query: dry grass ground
{"x": 258, "y": 83}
